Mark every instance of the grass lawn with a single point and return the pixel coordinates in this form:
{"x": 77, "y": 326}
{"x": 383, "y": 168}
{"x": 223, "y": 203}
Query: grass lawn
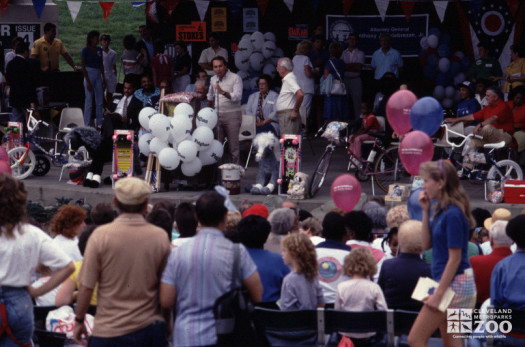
{"x": 122, "y": 20}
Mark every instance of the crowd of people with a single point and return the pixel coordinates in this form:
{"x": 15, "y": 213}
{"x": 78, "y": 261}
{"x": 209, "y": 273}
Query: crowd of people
{"x": 176, "y": 261}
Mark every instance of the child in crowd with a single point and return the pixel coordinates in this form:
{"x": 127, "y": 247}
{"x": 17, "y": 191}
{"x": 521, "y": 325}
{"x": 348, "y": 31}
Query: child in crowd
{"x": 109, "y": 59}
{"x": 369, "y": 124}
{"x": 360, "y": 293}
{"x": 300, "y": 289}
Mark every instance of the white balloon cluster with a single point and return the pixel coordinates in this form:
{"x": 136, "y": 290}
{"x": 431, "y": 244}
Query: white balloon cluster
{"x": 172, "y": 141}
{"x": 257, "y": 53}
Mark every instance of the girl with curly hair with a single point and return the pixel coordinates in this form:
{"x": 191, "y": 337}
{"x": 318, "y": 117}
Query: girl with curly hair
{"x": 22, "y": 247}
{"x": 67, "y": 224}
{"x": 301, "y": 289}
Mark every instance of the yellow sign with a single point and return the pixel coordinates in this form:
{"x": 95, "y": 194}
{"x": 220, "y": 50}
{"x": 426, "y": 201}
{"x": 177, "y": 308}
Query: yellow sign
{"x": 218, "y": 19}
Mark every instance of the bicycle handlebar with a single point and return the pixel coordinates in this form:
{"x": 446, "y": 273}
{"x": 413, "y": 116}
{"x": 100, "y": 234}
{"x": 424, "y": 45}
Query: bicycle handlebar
{"x": 32, "y": 122}
{"x": 465, "y": 137}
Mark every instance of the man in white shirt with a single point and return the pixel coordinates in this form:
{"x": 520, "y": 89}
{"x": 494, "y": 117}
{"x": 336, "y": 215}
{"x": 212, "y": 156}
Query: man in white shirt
{"x": 226, "y": 92}
{"x": 354, "y": 60}
{"x": 207, "y": 55}
{"x": 289, "y": 100}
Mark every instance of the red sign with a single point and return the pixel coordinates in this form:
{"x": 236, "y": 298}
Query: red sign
{"x": 196, "y": 31}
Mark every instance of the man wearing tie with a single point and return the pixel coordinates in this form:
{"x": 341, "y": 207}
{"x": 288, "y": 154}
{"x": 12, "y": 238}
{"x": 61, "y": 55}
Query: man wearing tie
{"x": 226, "y": 92}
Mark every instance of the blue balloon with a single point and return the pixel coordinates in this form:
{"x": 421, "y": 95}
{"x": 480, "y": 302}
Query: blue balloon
{"x": 465, "y": 64}
{"x": 445, "y": 39}
{"x": 443, "y": 79}
{"x": 444, "y": 51}
{"x": 426, "y": 115}
{"x": 432, "y": 60}
{"x": 455, "y": 68}
{"x": 434, "y": 31}
{"x": 429, "y": 72}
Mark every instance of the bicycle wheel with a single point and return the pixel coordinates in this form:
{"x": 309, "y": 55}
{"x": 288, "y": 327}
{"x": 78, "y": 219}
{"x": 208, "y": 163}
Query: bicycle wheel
{"x": 510, "y": 170}
{"x": 317, "y": 179}
{"x": 42, "y": 165}
{"x": 21, "y": 170}
{"x": 388, "y": 169}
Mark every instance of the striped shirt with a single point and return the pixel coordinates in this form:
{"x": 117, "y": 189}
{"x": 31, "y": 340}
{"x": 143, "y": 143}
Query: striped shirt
{"x": 200, "y": 270}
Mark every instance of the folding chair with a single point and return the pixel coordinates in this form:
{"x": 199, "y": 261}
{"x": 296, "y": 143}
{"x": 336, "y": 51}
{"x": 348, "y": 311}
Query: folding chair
{"x": 247, "y": 132}
{"x": 70, "y": 117}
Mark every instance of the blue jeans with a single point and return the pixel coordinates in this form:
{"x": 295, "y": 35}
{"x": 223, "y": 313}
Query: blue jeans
{"x": 95, "y": 77}
{"x": 19, "y": 309}
{"x": 154, "y": 335}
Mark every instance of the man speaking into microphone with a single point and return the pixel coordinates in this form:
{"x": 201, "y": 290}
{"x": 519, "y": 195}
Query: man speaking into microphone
{"x": 226, "y": 92}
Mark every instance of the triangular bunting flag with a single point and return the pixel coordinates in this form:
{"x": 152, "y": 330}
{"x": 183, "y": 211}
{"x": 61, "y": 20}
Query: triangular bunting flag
{"x": 106, "y": 7}
{"x": 39, "y": 6}
{"x": 315, "y": 5}
{"x": 3, "y": 5}
{"x": 407, "y": 7}
{"x": 289, "y": 4}
{"x": 441, "y": 8}
{"x": 347, "y": 4}
{"x": 74, "y": 9}
{"x": 262, "y": 4}
{"x": 513, "y": 6}
{"x": 235, "y": 8}
{"x": 137, "y": 4}
{"x": 382, "y": 6}
{"x": 202, "y": 7}
{"x": 475, "y": 5}
{"x": 171, "y": 5}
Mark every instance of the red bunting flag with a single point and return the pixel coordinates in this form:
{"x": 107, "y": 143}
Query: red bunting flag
{"x": 106, "y": 7}
{"x": 407, "y": 7}
{"x": 171, "y": 5}
{"x": 262, "y": 4}
{"x": 347, "y": 4}
{"x": 513, "y": 6}
{"x": 3, "y": 5}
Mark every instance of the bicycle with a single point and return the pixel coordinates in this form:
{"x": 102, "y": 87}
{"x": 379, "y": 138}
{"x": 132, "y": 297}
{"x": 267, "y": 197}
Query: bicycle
{"x": 24, "y": 161}
{"x": 385, "y": 168}
{"x": 499, "y": 171}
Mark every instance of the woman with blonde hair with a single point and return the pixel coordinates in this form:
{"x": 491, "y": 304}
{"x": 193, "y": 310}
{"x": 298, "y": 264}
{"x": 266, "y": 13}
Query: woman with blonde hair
{"x": 301, "y": 289}
{"x": 448, "y": 234}
{"x": 303, "y": 71}
{"x": 22, "y": 247}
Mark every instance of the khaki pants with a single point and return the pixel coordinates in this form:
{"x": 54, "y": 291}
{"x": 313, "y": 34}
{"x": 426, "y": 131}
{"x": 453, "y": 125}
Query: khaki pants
{"x": 491, "y": 135}
{"x": 229, "y": 125}
{"x": 288, "y": 126}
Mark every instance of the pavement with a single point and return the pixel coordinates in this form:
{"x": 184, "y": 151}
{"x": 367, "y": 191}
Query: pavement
{"x": 46, "y": 189}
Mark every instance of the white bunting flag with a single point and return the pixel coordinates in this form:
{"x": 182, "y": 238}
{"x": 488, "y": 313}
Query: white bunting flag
{"x": 74, "y": 8}
{"x": 382, "y": 6}
{"x": 441, "y": 8}
{"x": 202, "y": 7}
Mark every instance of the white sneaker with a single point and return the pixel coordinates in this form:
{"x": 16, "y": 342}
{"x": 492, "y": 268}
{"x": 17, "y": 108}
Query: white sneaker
{"x": 460, "y": 173}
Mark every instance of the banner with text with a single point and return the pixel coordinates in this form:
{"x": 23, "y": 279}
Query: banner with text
{"x": 196, "y": 31}
{"x": 405, "y": 34}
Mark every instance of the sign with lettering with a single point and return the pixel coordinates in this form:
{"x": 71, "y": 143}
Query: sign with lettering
{"x": 194, "y": 32}
{"x": 405, "y": 34}
{"x": 28, "y": 31}
{"x": 250, "y": 19}
{"x": 298, "y": 32}
{"x": 218, "y": 19}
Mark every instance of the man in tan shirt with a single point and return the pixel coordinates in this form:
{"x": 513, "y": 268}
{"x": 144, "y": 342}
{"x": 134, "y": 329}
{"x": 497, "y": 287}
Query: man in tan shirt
{"x": 126, "y": 258}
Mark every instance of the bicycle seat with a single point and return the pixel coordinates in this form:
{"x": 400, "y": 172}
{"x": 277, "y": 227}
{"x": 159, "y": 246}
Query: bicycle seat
{"x": 494, "y": 145}
{"x": 379, "y": 134}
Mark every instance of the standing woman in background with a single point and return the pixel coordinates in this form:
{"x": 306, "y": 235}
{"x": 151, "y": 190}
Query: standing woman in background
{"x": 303, "y": 71}
{"x": 22, "y": 247}
{"x": 448, "y": 235}
{"x": 335, "y": 106}
{"x": 94, "y": 83}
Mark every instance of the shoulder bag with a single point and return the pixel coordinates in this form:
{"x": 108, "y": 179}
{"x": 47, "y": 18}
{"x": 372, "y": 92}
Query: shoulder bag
{"x": 338, "y": 86}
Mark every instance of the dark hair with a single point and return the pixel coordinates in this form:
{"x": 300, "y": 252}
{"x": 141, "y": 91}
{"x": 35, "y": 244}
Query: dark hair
{"x": 158, "y": 46}
{"x": 161, "y": 218}
{"x": 515, "y": 230}
{"x": 184, "y": 48}
{"x": 480, "y": 214}
{"x": 334, "y": 226}
{"x": 214, "y": 35}
{"x": 143, "y": 26}
{"x": 84, "y": 236}
{"x": 253, "y": 231}
{"x": 48, "y": 27}
{"x": 391, "y": 233}
{"x": 318, "y": 37}
{"x": 303, "y": 214}
{"x": 131, "y": 79}
{"x": 129, "y": 41}
{"x": 16, "y": 40}
{"x": 145, "y": 74}
{"x": 123, "y": 208}
{"x": 21, "y": 47}
{"x": 517, "y": 90}
{"x": 185, "y": 219}
{"x": 354, "y": 34}
{"x": 13, "y": 199}
{"x": 359, "y": 223}
{"x": 102, "y": 213}
{"x": 105, "y": 37}
{"x": 210, "y": 208}
{"x": 219, "y": 57}
{"x": 165, "y": 204}
{"x": 484, "y": 44}
{"x": 335, "y": 49}
{"x": 91, "y": 35}
{"x": 265, "y": 77}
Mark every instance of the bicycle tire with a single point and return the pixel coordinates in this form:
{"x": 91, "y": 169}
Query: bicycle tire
{"x": 42, "y": 166}
{"x": 321, "y": 169}
{"x": 511, "y": 169}
{"x": 388, "y": 169}
{"x": 21, "y": 171}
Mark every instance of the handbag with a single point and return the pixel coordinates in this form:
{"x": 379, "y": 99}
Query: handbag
{"x": 338, "y": 86}
{"x": 233, "y": 312}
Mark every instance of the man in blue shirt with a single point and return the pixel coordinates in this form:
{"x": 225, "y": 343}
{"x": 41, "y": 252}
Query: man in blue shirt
{"x": 386, "y": 59}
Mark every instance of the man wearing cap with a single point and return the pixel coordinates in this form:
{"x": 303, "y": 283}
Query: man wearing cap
{"x": 482, "y": 265}
{"x": 498, "y": 214}
{"x": 468, "y": 104}
{"x": 200, "y": 271}
{"x": 126, "y": 259}
{"x": 256, "y": 209}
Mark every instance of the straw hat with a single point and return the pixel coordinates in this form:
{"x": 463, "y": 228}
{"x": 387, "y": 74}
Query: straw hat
{"x": 498, "y": 214}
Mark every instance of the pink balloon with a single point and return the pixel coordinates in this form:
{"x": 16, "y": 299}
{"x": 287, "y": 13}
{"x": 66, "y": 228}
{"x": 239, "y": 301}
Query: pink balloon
{"x": 346, "y": 192}
{"x": 415, "y": 149}
{"x": 398, "y": 110}
{"x": 4, "y": 167}
{"x": 3, "y": 154}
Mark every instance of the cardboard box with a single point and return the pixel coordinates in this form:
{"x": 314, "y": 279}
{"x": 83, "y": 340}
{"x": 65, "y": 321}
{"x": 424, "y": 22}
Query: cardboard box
{"x": 514, "y": 192}
{"x": 398, "y": 192}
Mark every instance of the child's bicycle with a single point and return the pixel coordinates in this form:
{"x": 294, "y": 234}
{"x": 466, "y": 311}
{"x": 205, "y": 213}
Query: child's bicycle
{"x": 486, "y": 169}
{"x": 24, "y": 161}
{"x": 383, "y": 164}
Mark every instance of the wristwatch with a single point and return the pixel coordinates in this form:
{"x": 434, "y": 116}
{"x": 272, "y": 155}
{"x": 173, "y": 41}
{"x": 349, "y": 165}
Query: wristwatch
{"x": 223, "y": 93}
{"x": 79, "y": 320}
